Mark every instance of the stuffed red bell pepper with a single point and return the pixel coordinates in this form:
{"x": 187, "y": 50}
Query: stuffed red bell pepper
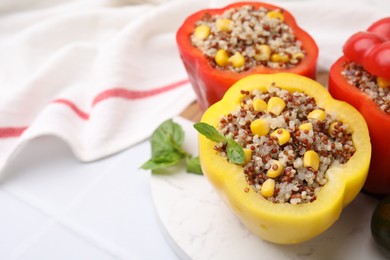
{"x": 362, "y": 78}
{"x": 220, "y": 46}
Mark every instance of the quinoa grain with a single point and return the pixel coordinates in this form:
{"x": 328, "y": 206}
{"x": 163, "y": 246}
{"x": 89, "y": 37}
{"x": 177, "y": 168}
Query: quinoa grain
{"x": 296, "y": 180}
{"x": 249, "y": 37}
{"x": 357, "y": 76}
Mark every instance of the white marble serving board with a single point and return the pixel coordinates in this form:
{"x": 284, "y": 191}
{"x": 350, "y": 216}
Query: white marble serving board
{"x": 199, "y": 225}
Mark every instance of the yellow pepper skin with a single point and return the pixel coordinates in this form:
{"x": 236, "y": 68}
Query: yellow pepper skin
{"x": 284, "y": 223}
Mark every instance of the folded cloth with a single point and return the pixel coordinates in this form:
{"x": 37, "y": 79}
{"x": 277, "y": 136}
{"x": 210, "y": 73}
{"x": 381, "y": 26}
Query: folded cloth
{"x": 102, "y": 75}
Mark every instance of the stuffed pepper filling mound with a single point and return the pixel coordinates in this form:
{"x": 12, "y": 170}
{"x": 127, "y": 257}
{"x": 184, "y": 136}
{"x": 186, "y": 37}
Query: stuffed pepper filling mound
{"x": 246, "y": 37}
{"x": 289, "y": 143}
{"x": 377, "y": 88}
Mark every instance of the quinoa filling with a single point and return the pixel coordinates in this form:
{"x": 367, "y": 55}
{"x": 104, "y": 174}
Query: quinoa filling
{"x": 357, "y": 76}
{"x": 246, "y": 37}
{"x": 289, "y": 143}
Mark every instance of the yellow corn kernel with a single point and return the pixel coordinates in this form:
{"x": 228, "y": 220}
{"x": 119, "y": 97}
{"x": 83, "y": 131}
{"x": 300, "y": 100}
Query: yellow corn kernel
{"x": 276, "y": 105}
{"x": 382, "y": 82}
{"x": 259, "y": 105}
{"x": 298, "y": 55}
{"x": 260, "y": 127}
{"x": 264, "y": 52}
{"x": 306, "y": 126}
{"x": 311, "y": 159}
{"x": 221, "y": 58}
{"x": 247, "y": 155}
{"x": 237, "y": 60}
{"x": 317, "y": 114}
{"x": 275, "y": 170}
{"x": 282, "y": 135}
{"x": 280, "y": 57}
{"x": 202, "y": 32}
{"x": 276, "y": 14}
{"x": 268, "y": 188}
{"x": 332, "y": 128}
{"x": 223, "y": 25}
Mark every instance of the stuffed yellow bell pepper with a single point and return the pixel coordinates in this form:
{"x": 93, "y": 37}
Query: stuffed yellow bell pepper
{"x": 305, "y": 155}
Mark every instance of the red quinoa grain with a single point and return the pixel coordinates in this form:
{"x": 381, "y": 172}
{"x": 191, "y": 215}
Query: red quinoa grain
{"x": 296, "y": 184}
{"x": 250, "y": 30}
{"x": 357, "y": 76}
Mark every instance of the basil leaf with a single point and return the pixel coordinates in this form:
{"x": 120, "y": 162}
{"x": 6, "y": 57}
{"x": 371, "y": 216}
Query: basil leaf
{"x": 167, "y": 149}
{"x": 169, "y": 136}
{"x": 234, "y": 151}
{"x": 209, "y": 132}
{"x": 193, "y": 165}
{"x": 162, "y": 161}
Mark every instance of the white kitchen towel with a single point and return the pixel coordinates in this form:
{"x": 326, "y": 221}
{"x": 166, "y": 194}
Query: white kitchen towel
{"x": 101, "y": 75}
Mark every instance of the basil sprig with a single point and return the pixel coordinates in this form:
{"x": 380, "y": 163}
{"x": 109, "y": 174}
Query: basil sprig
{"x": 234, "y": 151}
{"x": 167, "y": 150}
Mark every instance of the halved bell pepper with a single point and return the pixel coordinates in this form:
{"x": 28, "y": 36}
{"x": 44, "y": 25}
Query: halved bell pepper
{"x": 210, "y": 83}
{"x": 378, "y": 121}
{"x": 286, "y": 223}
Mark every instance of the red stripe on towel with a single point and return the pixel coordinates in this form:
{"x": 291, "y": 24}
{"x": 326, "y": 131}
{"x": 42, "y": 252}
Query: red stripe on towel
{"x": 135, "y": 94}
{"x": 72, "y": 106}
{"x": 6, "y": 132}
{"x": 120, "y": 93}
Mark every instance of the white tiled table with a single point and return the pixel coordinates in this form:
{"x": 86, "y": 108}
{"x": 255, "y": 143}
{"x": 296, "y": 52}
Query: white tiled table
{"x": 54, "y": 207}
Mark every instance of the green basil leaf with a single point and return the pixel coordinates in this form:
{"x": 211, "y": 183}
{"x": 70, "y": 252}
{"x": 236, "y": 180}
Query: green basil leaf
{"x": 193, "y": 165}
{"x": 234, "y": 151}
{"x": 167, "y": 150}
{"x": 169, "y": 136}
{"x": 209, "y": 132}
{"x": 162, "y": 161}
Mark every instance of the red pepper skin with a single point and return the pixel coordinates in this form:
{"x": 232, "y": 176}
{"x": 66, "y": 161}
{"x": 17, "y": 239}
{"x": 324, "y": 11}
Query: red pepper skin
{"x": 371, "y": 49}
{"x": 381, "y": 27}
{"x": 210, "y": 84}
{"x": 359, "y": 45}
{"x": 378, "y": 62}
{"x": 378, "y": 180}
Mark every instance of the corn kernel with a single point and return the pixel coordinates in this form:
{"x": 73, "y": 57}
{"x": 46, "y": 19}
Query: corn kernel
{"x": 275, "y": 170}
{"x": 264, "y": 52}
{"x": 221, "y": 58}
{"x": 311, "y": 159}
{"x": 276, "y": 14}
{"x": 268, "y": 188}
{"x": 298, "y": 55}
{"x": 282, "y": 135}
{"x": 306, "y": 126}
{"x": 276, "y": 105}
{"x": 259, "y": 105}
{"x": 332, "y": 128}
{"x": 317, "y": 114}
{"x": 237, "y": 60}
{"x": 260, "y": 127}
{"x": 382, "y": 82}
{"x": 280, "y": 57}
{"x": 223, "y": 25}
{"x": 247, "y": 155}
{"x": 202, "y": 32}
